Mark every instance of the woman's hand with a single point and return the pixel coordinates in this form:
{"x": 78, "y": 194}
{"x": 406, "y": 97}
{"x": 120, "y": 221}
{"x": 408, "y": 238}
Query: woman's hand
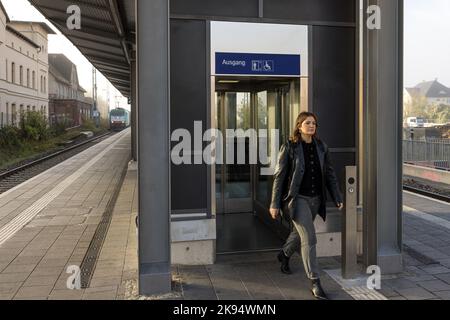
{"x": 274, "y": 213}
{"x": 340, "y": 206}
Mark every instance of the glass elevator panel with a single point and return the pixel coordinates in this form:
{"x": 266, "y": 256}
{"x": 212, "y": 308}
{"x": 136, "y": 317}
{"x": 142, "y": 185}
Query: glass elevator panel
{"x": 242, "y": 190}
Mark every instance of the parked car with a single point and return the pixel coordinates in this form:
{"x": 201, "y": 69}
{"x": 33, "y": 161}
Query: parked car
{"x": 415, "y": 122}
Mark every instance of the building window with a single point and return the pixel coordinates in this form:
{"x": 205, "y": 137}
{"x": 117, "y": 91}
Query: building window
{"x": 7, "y": 114}
{"x": 21, "y": 114}
{"x": 42, "y": 81}
{"x": 34, "y": 79}
{"x": 21, "y": 75}
{"x": 1, "y": 119}
{"x": 13, "y": 72}
{"x": 13, "y": 114}
{"x": 6, "y": 69}
{"x": 45, "y": 84}
{"x": 28, "y": 78}
{"x": 34, "y": 108}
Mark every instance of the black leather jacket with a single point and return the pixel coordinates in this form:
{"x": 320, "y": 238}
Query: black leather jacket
{"x": 289, "y": 174}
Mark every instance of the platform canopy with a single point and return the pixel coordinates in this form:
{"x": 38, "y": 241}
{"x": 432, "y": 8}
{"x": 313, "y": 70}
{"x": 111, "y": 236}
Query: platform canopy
{"x": 106, "y": 37}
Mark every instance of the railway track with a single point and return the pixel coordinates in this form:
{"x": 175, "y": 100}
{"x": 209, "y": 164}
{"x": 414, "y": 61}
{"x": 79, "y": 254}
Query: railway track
{"x": 15, "y": 176}
{"x": 428, "y": 191}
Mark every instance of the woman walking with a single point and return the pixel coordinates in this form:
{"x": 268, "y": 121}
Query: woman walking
{"x": 302, "y": 175}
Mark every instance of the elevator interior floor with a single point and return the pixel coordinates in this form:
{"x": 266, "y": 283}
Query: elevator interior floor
{"x": 241, "y": 232}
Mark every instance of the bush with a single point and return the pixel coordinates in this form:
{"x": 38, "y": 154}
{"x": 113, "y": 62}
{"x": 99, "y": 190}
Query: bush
{"x": 88, "y": 124}
{"x": 10, "y": 137}
{"x": 34, "y": 126}
{"x": 59, "y": 127}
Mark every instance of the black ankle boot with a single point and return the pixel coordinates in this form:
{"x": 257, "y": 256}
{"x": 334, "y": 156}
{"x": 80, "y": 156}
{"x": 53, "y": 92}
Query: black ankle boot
{"x": 317, "y": 290}
{"x": 284, "y": 263}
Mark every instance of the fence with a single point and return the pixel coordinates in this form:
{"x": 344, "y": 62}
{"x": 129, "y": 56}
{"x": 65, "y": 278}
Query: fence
{"x": 430, "y": 153}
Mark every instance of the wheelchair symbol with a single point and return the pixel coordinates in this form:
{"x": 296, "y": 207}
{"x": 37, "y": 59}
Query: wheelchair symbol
{"x": 268, "y": 65}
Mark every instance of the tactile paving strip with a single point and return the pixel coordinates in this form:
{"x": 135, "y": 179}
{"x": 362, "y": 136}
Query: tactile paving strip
{"x": 90, "y": 259}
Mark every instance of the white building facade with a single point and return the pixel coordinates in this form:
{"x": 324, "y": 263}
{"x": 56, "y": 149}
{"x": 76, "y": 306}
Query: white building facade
{"x": 23, "y": 68}
{"x": 435, "y": 92}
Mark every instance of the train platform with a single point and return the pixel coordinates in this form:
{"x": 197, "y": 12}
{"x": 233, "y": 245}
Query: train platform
{"x": 54, "y": 221}
{"x": 426, "y": 259}
{"x": 51, "y": 221}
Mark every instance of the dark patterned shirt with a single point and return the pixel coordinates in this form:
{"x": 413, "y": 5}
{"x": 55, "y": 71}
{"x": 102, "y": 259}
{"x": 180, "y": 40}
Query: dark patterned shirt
{"x": 311, "y": 185}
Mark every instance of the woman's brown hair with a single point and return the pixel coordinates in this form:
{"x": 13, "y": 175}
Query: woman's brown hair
{"x": 297, "y": 135}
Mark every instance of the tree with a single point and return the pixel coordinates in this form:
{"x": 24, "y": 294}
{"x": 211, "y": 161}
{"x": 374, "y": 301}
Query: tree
{"x": 416, "y": 108}
{"x": 440, "y": 113}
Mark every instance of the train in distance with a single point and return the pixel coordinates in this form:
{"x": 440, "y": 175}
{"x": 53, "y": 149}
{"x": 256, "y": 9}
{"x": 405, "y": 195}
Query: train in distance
{"x": 119, "y": 119}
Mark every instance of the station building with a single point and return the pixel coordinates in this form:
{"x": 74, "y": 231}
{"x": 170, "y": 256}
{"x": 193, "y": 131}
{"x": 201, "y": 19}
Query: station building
{"x": 23, "y": 68}
{"x": 169, "y": 59}
{"x": 67, "y": 103}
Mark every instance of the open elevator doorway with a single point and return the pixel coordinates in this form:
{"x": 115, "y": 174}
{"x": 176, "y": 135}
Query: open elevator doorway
{"x": 259, "y": 81}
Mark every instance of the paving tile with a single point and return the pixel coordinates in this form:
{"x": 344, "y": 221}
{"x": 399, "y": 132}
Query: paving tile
{"x": 40, "y": 281}
{"x": 27, "y": 252}
{"x": 37, "y": 292}
{"x": 416, "y": 293}
{"x": 100, "y": 293}
{"x": 47, "y": 271}
{"x": 7, "y": 258}
{"x": 66, "y": 294}
{"x": 435, "y": 269}
{"x": 338, "y": 295}
{"x": 445, "y": 262}
{"x": 53, "y": 262}
{"x": 12, "y": 244}
{"x": 388, "y": 292}
{"x": 13, "y": 277}
{"x": 19, "y": 268}
{"x": 7, "y": 296}
{"x": 106, "y": 295}
{"x": 397, "y": 298}
{"x": 435, "y": 285}
{"x": 443, "y": 294}
{"x": 397, "y": 284}
{"x": 27, "y": 260}
{"x": 444, "y": 277}
{"x": 9, "y": 288}
{"x": 3, "y": 266}
{"x": 105, "y": 281}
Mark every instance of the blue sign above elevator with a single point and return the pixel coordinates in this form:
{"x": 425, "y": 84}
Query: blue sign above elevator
{"x": 257, "y": 64}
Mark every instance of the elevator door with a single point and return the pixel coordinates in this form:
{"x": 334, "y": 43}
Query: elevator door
{"x": 234, "y": 178}
{"x": 243, "y": 189}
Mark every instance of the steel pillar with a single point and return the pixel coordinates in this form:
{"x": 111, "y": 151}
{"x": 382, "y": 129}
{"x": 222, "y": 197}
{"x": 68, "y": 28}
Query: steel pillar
{"x": 153, "y": 150}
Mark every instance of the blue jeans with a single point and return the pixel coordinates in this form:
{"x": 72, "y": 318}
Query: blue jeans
{"x": 303, "y": 233}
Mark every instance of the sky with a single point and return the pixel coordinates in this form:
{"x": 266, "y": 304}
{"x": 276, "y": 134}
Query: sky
{"x": 426, "y": 46}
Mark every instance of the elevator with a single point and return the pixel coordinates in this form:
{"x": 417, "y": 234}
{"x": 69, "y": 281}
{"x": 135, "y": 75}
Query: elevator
{"x": 243, "y": 191}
